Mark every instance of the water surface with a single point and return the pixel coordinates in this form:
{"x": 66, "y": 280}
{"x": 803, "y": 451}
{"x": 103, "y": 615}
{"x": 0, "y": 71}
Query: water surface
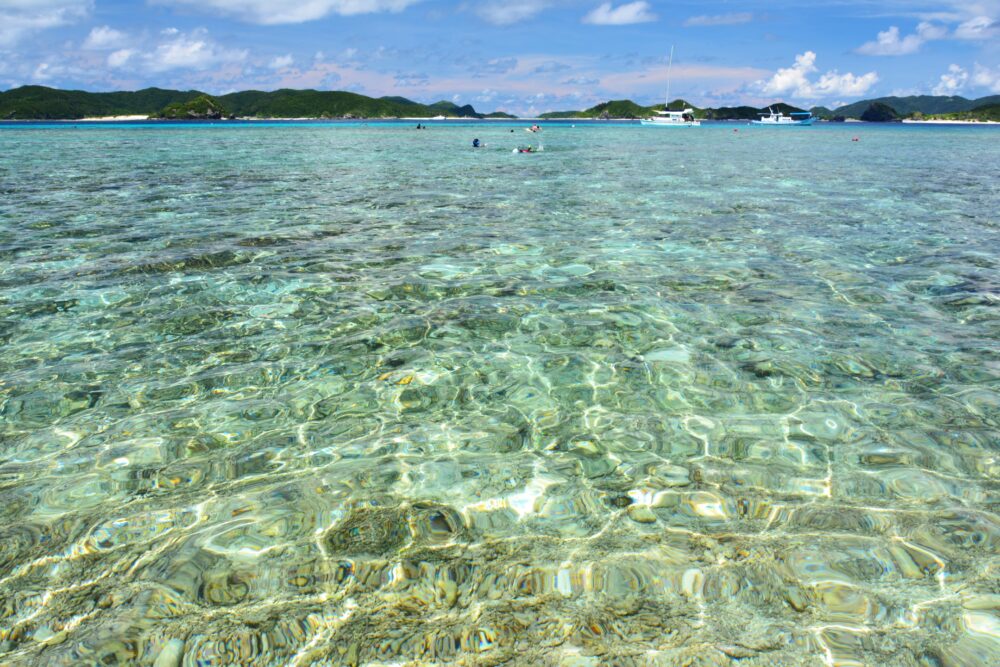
{"x": 344, "y": 395}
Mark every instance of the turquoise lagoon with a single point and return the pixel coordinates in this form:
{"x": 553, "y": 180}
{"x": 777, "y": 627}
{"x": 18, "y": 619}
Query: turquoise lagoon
{"x": 361, "y": 395}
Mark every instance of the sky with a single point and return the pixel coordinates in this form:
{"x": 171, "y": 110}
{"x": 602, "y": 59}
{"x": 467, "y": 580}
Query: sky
{"x": 520, "y": 56}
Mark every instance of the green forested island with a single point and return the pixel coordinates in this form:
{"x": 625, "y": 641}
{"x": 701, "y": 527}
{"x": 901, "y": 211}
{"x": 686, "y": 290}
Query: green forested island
{"x": 203, "y": 107}
{"x": 629, "y": 109}
{"x": 986, "y": 112}
{"x": 42, "y": 103}
{"x": 882, "y": 109}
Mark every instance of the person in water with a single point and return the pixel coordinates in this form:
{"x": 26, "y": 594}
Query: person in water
{"x": 475, "y": 143}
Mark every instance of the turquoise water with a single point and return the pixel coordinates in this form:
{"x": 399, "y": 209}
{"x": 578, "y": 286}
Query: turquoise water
{"x": 344, "y": 395}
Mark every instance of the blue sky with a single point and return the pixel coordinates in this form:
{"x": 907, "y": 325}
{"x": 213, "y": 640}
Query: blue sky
{"x": 522, "y": 56}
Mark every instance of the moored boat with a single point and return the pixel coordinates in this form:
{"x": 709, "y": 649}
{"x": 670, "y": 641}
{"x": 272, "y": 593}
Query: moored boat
{"x": 779, "y": 119}
{"x": 668, "y": 118}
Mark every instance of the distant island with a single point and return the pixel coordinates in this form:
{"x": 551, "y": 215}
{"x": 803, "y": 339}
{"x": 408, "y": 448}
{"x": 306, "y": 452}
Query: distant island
{"x": 43, "y": 103}
{"x": 883, "y": 109}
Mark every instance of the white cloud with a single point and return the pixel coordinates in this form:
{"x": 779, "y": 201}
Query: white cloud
{"x": 19, "y": 18}
{"x": 119, "y": 58}
{"x": 105, "y": 38}
{"x": 193, "y": 50}
{"x": 510, "y": 12}
{"x": 795, "y": 81}
{"x": 889, "y": 42}
{"x": 719, "y": 19}
{"x": 281, "y": 62}
{"x": 44, "y": 72}
{"x": 272, "y": 12}
{"x": 987, "y": 77}
{"x": 952, "y": 81}
{"x": 627, "y": 14}
{"x": 981, "y": 27}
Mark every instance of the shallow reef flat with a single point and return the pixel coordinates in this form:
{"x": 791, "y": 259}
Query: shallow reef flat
{"x": 348, "y": 395}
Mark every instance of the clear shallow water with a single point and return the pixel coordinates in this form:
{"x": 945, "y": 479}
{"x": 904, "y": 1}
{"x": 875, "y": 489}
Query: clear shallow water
{"x": 363, "y": 395}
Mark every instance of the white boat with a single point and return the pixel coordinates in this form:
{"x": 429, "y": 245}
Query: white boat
{"x": 683, "y": 118}
{"x": 668, "y": 118}
{"x": 779, "y": 119}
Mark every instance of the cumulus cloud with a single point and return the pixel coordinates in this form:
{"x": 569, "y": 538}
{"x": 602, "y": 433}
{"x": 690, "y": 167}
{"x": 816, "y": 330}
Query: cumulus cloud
{"x": 987, "y": 77}
{"x": 281, "y": 62}
{"x": 890, "y": 43}
{"x": 510, "y": 12}
{"x": 627, "y": 14}
{"x": 273, "y": 12}
{"x": 952, "y": 81}
{"x": 795, "y": 81}
{"x": 20, "y": 18}
{"x": 105, "y": 38}
{"x": 191, "y": 50}
{"x": 719, "y": 19}
{"x": 120, "y": 58}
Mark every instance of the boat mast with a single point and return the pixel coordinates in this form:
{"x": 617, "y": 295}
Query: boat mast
{"x": 666, "y": 106}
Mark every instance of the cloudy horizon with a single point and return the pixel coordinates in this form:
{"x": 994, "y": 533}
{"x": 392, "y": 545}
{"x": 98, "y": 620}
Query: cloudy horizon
{"x": 520, "y": 56}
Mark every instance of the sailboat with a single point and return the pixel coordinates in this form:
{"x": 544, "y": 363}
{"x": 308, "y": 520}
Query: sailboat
{"x": 667, "y": 118}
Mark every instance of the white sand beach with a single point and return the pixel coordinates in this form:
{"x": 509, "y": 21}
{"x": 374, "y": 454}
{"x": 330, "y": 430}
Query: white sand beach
{"x": 951, "y": 122}
{"x": 109, "y": 119}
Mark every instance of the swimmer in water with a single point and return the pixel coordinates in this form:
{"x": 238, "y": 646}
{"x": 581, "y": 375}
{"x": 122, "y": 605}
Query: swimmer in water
{"x": 475, "y": 143}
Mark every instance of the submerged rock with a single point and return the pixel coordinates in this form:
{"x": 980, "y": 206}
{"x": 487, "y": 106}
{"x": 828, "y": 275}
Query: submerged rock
{"x": 171, "y": 655}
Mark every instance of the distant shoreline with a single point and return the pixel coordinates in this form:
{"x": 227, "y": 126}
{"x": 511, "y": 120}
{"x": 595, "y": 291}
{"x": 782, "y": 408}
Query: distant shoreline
{"x": 110, "y": 119}
{"x": 120, "y": 119}
{"x": 944, "y": 121}
{"x": 417, "y": 119}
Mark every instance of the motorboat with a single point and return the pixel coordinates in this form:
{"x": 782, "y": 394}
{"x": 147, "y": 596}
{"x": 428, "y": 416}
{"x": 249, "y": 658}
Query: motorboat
{"x": 779, "y": 119}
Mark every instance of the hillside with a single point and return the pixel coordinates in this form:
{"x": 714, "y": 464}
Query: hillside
{"x": 901, "y": 107}
{"x": 42, "y": 103}
{"x": 925, "y": 104}
{"x": 629, "y": 109}
{"x": 203, "y": 107}
{"x": 612, "y": 109}
{"x": 987, "y": 112}
{"x": 451, "y": 109}
{"x": 748, "y": 113}
{"x": 287, "y": 103}
{"x": 879, "y": 112}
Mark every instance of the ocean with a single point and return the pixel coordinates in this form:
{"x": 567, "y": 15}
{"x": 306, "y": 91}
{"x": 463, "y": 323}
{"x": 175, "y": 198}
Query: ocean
{"x": 357, "y": 394}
